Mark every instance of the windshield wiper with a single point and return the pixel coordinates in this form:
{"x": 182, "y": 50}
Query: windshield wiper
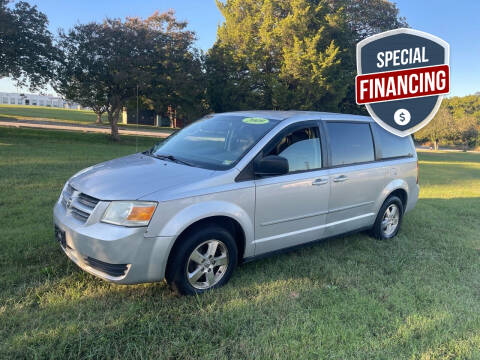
{"x": 172, "y": 158}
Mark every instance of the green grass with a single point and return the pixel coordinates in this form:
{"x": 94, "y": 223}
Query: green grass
{"x": 44, "y": 112}
{"x": 414, "y": 297}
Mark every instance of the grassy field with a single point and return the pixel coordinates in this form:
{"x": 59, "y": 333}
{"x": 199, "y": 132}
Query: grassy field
{"x": 415, "y": 297}
{"x": 44, "y": 112}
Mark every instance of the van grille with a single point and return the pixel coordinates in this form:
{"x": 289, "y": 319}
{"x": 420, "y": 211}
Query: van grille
{"x": 79, "y": 214}
{"x": 79, "y": 204}
{"x": 87, "y": 200}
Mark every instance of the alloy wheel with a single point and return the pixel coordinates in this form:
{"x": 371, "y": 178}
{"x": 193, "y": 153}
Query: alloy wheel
{"x": 207, "y": 264}
{"x": 390, "y": 219}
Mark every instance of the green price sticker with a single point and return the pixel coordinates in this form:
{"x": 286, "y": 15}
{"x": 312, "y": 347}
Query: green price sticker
{"x": 255, "y": 120}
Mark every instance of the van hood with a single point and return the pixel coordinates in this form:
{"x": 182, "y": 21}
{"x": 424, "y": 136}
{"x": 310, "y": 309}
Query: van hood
{"x": 135, "y": 176}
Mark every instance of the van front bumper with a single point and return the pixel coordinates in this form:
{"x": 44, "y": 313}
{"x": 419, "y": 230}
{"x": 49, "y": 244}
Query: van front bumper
{"x": 118, "y": 254}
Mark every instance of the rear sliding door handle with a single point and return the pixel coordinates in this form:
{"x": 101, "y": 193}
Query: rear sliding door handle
{"x": 340, "y": 178}
{"x": 320, "y": 181}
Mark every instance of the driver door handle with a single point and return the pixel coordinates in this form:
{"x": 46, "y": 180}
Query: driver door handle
{"x": 320, "y": 181}
{"x": 340, "y": 178}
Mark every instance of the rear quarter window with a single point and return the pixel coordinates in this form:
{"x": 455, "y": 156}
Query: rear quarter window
{"x": 351, "y": 143}
{"x": 391, "y": 145}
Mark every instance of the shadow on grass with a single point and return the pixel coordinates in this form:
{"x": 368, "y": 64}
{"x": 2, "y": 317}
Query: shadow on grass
{"x": 347, "y": 297}
{"x": 445, "y": 157}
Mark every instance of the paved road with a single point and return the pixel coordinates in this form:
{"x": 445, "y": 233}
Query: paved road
{"x": 428, "y": 148}
{"x": 52, "y": 125}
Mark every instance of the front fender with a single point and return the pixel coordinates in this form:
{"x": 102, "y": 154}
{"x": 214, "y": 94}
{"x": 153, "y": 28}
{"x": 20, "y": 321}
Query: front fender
{"x": 190, "y": 214}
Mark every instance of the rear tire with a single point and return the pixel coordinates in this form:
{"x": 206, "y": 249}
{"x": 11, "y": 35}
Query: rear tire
{"x": 389, "y": 218}
{"x": 204, "y": 260}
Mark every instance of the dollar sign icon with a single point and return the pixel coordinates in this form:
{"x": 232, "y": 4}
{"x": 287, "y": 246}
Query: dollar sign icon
{"x": 402, "y": 116}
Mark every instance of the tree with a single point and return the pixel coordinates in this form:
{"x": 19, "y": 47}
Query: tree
{"x": 26, "y": 50}
{"x": 369, "y": 17}
{"x": 280, "y": 54}
{"x": 440, "y": 128}
{"x": 177, "y": 80}
{"x": 465, "y": 131}
{"x": 228, "y": 81}
{"x": 363, "y": 18}
{"x": 91, "y": 72}
{"x": 81, "y": 87}
{"x": 283, "y": 54}
{"x": 464, "y": 121}
{"x": 104, "y": 65}
{"x": 457, "y": 122}
{"x": 465, "y": 105}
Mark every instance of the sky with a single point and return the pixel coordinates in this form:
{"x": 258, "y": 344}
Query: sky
{"x": 456, "y": 22}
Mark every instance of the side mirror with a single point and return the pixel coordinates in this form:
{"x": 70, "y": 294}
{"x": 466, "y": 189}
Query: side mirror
{"x": 271, "y": 165}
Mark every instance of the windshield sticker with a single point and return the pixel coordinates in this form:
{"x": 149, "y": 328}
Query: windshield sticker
{"x": 255, "y": 120}
{"x": 227, "y": 162}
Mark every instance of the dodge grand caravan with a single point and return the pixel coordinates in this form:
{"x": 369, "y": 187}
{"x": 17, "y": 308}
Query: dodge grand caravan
{"x": 232, "y": 187}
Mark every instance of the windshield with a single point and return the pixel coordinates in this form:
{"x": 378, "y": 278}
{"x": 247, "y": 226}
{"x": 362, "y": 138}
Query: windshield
{"x": 215, "y": 142}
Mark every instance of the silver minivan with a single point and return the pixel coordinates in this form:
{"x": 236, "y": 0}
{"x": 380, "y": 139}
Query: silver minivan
{"x": 234, "y": 187}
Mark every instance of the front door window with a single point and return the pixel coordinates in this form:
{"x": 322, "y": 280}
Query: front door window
{"x": 301, "y": 148}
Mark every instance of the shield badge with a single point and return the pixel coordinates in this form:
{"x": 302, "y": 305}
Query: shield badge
{"x": 411, "y": 57}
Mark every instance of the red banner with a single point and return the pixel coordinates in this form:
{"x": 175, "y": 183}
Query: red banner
{"x": 402, "y": 84}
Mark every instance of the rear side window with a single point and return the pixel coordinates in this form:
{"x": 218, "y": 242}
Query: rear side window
{"x": 391, "y": 145}
{"x": 351, "y": 143}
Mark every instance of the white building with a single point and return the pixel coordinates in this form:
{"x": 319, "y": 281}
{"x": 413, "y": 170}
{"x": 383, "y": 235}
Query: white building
{"x": 36, "y": 100}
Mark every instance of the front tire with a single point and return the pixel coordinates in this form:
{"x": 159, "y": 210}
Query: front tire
{"x": 204, "y": 260}
{"x": 389, "y": 219}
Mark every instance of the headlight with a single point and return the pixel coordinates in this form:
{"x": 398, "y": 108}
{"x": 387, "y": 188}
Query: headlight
{"x": 129, "y": 213}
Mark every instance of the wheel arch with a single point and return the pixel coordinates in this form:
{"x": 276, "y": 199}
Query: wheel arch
{"x": 402, "y": 194}
{"x": 397, "y": 187}
{"x": 226, "y": 222}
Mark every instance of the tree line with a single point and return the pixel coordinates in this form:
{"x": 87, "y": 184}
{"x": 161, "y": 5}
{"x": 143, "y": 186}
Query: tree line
{"x": 269, "y": 54}
{"x": 457, "y": 123}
